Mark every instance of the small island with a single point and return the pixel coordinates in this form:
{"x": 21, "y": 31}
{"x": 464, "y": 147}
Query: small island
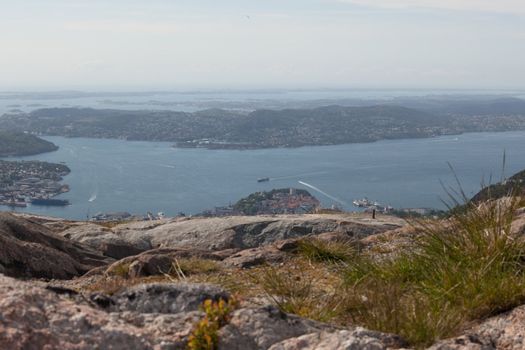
{"x": 277, "y": 201}
{"x": 32, "y": 182}
{"x": 15, "y": 144}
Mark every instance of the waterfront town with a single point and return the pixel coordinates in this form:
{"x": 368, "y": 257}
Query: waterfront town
{"x": 24, "y": 182}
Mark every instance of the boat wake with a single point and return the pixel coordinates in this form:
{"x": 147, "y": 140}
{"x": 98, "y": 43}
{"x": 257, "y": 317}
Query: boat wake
{"x": 93, "y": 197}
{"x": 323, "y": 193}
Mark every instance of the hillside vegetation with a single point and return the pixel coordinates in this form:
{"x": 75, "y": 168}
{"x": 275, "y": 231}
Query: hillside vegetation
{"x": 222, "y": 129}
{"x": 514, "y": 185}
{"x": 362, "y": 121}
{"x": 21, "y": 144}
{"x": 225, "y": 129}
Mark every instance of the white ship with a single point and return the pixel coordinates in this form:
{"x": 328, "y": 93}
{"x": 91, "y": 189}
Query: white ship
{"x": 363, "y": 203}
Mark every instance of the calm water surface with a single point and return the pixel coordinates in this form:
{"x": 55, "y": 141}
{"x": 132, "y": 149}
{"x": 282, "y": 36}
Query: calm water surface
{"x": 115, "y": 175}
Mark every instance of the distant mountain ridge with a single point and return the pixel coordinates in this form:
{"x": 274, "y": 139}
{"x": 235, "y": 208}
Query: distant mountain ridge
{"x": 479, "y": 106}
{"x": 225, "y": 129}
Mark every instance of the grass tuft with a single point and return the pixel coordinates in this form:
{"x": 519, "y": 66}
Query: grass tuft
{"x": 192, "y": 266}
{"x": 295, "y": 291}
{"x": 318, "y": 250}
{"x": 182, "y": 268}
{"x": 468, "y": 267}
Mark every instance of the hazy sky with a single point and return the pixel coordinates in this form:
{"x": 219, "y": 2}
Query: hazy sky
{"x": 188, "y": 44}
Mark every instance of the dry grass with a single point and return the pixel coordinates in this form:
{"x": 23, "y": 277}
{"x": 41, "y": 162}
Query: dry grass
{"x": 318, "y": 250}
{"x": 193, "y": 266}
{"x": 301, "y": 289}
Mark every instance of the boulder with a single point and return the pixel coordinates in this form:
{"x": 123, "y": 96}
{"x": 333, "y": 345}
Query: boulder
{"x": 28, "y": 249}
{"x": 260, "y": 328}
{"x": 506, "y": 331}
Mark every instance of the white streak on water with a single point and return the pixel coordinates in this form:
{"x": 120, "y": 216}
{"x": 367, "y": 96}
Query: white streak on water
{"x": 92, "y": 198}
{"x": 323, "y": 193}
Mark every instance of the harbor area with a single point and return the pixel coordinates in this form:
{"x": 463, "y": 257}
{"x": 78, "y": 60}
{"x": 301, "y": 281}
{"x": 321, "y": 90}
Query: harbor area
{"x": 32, "y": 182}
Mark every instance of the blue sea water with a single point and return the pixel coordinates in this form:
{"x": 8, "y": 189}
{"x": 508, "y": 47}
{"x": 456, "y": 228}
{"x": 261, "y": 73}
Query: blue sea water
{"x": 116, "y": 175}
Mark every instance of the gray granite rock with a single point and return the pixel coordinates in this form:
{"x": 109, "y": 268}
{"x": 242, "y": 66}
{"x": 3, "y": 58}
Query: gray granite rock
{"x": 260, "y": 328}
{"x": 166, "y": 298}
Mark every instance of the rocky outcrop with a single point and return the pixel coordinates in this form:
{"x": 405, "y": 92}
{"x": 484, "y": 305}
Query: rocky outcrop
{"x": 506, "y": 331}
{"x": 268, "y": 328}
{"x": 243, "y": 232}
{"x": 155, "y": 316}
{"x": 160, "y": 261}
{"x": 214, "y": 234}
{"x": 31, "y": 250}
{"x": 359, "y": 338}
{"x": 33, "y": 317}
{"x": 106, "y": 241}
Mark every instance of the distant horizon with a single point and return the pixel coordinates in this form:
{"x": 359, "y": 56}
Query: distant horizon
{"x": 196, "y": 90}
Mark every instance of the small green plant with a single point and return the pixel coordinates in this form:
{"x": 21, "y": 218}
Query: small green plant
{"x": 121, "y": 270}
{"x": 216, "y": 315}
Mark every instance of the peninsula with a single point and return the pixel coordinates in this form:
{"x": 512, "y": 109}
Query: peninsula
{"x": 13, "y": 144}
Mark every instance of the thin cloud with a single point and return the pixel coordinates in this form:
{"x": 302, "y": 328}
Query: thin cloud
{"x": 492, "y": 6}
